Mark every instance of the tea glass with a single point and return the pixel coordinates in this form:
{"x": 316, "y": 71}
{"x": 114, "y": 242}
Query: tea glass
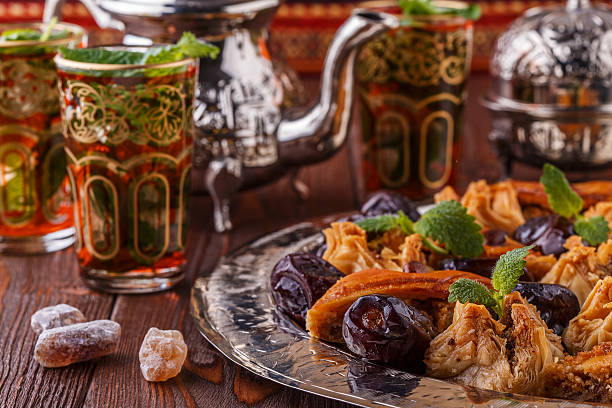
{"x": 412, "y": 87}
{"x": 35, "y": 207}
{"x": 128, "y": 137}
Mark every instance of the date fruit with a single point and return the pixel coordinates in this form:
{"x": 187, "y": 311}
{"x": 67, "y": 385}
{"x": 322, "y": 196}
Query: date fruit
{"x": 385, "y": 329}
{"x": 494, "y": 237}
{"x": 389, "y": 202}
{"x": 557, "y": 304}
{"x": 298, "y": 281}
{"x": 547, "y": 233}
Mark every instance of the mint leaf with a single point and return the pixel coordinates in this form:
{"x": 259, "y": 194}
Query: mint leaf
{"x": 417, "y": 7}
{"x": 508, "y": 270}
{"x": 594, "y": 231}
{"x": 405, "y": 224}
{"x": 427, "y": 7}
{"x": 20, "y": 34}
{"x": 562, "y": 199}
{"x": 102, "y": 55}
{"x": 472, "y": 12}
{"x": 378, "y": 225}
{"x": 187, "y": 46}
{"x": 469, "y": 291}
{"x": 450, "y": 224}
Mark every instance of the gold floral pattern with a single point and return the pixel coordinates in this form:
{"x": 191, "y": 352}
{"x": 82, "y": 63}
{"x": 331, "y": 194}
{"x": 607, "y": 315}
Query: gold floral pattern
{"x": 112, "y": 114}
{"x": 28, "y": 86}
{"x": 417, "y": 57}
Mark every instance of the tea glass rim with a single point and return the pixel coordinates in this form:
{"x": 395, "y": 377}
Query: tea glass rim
{"x": 62, "y": 62}
{"x": 75, "y": 33}
{"x": 451, "y": 4}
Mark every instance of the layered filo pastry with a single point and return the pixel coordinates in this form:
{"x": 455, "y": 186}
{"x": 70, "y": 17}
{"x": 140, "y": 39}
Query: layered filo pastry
{"x": 507, "y": 287}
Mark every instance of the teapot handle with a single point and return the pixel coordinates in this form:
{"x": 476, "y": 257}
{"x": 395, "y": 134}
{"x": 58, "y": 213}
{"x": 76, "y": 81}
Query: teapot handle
{"x": 53, "y": 8}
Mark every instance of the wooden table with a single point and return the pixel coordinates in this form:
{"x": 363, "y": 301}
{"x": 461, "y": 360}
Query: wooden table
{"x": 207, "y": 379}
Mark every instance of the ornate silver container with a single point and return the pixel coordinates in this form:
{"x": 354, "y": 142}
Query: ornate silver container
{"x": 551, "y": 91}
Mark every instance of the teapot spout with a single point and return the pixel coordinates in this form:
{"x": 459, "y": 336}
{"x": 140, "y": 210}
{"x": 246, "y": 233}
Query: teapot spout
{"x": 318, "y": 132}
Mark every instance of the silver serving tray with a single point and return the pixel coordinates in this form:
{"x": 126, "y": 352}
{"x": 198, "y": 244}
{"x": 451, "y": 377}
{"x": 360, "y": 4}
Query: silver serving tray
{"x": 233, "y": 309}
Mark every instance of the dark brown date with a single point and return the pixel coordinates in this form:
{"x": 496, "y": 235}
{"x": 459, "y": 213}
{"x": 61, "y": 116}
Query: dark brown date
{"x": 298, "y": 281}
{"x": 547, "y": 233}
{"x": 386, "y": 329}
{"x": 389, "y": 202}
{"x": 494, "y": 237}
{"x": 557, "y": 304}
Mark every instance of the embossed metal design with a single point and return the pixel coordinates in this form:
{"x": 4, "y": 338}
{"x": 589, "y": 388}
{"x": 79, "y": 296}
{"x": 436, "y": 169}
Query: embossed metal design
{"x": 28, "y": 86}
{"x": 114, "y": 114}
{"x": 550, "y": 88}
{"x": 233, "y": 309}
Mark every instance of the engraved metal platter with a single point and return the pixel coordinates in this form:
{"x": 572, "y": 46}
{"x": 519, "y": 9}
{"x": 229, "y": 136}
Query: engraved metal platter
{"x": 233, "y": 309}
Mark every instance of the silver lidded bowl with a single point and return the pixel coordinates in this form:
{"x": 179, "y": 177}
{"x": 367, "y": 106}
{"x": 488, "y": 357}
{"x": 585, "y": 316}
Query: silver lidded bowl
{"x": 551, "y": 90}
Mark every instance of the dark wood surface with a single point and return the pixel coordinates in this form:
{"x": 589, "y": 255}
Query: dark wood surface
{"x": 207, "y": 379}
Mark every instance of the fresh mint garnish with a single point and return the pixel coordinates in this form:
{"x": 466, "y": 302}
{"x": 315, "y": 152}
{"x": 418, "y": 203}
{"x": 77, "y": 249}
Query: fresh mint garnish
{"x": 447, "y": 223}
{"x": 565, "y": 202}
{"x": 30, "y": 34}
{"x": 594, "y": 231}
{"x": 102, "y": 56}
{"x": 469, "y": 291}
{"x": 450, "y": 224}
{"x": 562, "y": 199}
{"x": 504, "y": 279}
{"x": 427, "y": 7}
{"x": 381, "y": 224}
{"x": 187, "y": 47}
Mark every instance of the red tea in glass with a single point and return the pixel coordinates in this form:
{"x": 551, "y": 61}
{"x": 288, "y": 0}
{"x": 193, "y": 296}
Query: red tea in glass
{"x": 412, "y": 87}
{"x": 128, "y": 136}
{"x": 35, "y": 208}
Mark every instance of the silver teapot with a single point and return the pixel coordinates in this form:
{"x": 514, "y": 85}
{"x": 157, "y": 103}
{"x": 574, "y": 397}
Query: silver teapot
{"x": 244, "y": 136}
{"x": 551, "y": 88}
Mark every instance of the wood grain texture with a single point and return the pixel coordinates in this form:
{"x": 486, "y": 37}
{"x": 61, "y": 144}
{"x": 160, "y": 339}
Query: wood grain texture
{"x": 207, "y": 379}
{"x": 26, "y": 285}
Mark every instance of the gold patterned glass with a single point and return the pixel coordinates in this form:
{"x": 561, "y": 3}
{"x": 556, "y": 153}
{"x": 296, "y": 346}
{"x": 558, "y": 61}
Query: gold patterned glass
{"x": 35, "y": 208}
{"x": 128, "y": 133}
{"x": 412, "y": 87}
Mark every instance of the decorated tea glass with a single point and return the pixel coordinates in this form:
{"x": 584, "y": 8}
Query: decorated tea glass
{"x": 412, "y": 87}
{"x": 128, "y": 137}
{"x": 35, "y": 208}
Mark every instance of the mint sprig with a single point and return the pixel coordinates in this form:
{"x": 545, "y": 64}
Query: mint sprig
{"x": 384, "y": 223}
{"x": 448, "y": 223}
{"x": 565, "y": 202}
{"x": 468, "y": 291}
{"x": 427, "y": 7}
{"x": 505, "y": 277}
{"x": 187, "y": 46}
{"x": 562, "y": 199}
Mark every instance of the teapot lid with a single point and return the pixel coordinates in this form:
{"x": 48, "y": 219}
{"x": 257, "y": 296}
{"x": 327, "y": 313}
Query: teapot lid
{"x": 159, "y": 8}
{"x": 558, "y": 58}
